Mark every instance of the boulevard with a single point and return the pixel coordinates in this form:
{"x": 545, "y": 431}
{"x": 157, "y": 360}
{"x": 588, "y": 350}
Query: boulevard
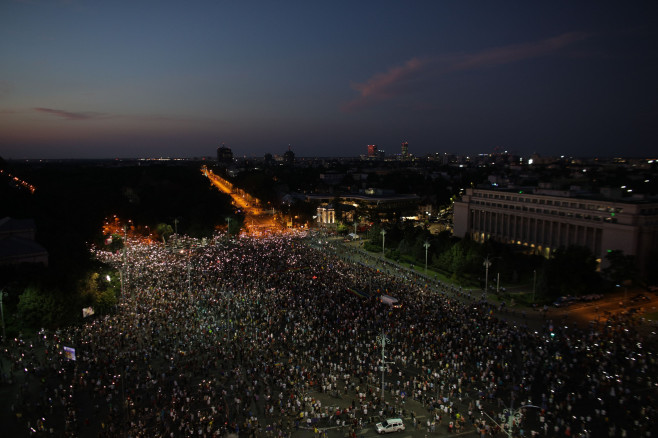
{"x": 256, "y": 218}
{"x": 281, "y": 336}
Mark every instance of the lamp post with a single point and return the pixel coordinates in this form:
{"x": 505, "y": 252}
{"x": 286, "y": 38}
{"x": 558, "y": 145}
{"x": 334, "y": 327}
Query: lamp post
{"x": 125, "y": 260}
{"x": 486, "y": 265}
{"x": 189, "y": 271}
{"x": 534, "y": 284}
{"x": 383, "y": 233}
{"x": 383, "y": 339}
{"x": 121, "y": 280}
{"x": 3, "y": 294}
{"x": 426, "y": 245}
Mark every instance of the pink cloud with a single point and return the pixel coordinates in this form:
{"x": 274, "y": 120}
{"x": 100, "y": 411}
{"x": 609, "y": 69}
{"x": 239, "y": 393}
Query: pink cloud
{"x": 516, "y": 52}
{"x": 383, "y": 86}
{"x": 68, "y": 115}
{"x": 416, "y": 72}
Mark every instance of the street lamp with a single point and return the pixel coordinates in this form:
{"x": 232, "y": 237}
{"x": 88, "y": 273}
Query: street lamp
{"x": 383, "y": 339}
{"x": 189, "y": 270}
{"x": 534, "y": 284}
{"x": 383, "y": 233}
{"x": 486, "y": 265}
{"x": 426, "y": 245}
{"x": 125, "y": 262}
{"x": 3, "y": 294}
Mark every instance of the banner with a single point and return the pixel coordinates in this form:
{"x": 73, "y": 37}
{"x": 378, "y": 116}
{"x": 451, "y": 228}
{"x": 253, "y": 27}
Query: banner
{"x": 69, "y": 353}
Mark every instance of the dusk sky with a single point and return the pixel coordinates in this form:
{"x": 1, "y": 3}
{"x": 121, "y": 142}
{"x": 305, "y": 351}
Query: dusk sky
{"x": 106, "y": 79}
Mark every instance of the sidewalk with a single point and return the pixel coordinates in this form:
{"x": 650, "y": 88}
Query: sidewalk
{"x": 513, "y": 313}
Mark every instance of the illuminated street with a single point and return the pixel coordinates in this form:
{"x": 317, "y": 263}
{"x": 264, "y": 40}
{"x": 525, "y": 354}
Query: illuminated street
{"x": 256, "y": 218}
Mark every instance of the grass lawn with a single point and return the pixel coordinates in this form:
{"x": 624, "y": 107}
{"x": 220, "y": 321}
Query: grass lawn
{"x": 651, "y": 316}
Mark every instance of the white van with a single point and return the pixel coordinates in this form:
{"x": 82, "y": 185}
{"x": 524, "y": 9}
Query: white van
{"x": 390, "y": 425}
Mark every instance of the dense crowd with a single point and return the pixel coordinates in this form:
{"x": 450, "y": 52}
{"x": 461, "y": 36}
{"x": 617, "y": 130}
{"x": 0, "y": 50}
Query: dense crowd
{"x": 240, "y": 335}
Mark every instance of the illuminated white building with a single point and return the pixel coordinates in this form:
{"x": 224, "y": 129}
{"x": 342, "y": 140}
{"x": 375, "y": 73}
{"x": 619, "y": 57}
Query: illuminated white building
{"x": 543, "y": 223}
{"x": 326, "y": 214}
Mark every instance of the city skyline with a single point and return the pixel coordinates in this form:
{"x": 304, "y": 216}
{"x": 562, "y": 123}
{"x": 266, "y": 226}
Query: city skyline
{"x": 87, "y": 79}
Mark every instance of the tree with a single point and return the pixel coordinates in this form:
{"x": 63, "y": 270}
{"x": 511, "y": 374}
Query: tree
{"x": 38, "y": 309}
{"x": 235, "y": 224}
{"x": 621, "y": 267}
{"x": 106, "y": 300}
{"x": 164, "y": 231}
{"x": 115, "y": 243}
{"x": 569, "y": 271}
{"x": 99, "y": 291}
{"x": 374, "y": 233}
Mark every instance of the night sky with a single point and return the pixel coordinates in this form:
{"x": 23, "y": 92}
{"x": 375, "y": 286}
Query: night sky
{"x": 107, "y": 79}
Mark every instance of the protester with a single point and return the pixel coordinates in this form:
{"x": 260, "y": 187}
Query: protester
{"x": 242, "y": 334}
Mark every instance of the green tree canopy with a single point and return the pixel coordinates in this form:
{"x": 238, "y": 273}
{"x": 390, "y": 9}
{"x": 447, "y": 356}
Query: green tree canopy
{"x": 621, "y": 267}
{"x": 39, "y": 309}
{"x": 570, "y": 271}
{"x": 164, "y": 231}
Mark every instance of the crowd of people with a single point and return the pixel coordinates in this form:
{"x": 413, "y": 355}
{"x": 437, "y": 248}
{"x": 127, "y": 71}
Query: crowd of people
{"x": 241, "y": 335}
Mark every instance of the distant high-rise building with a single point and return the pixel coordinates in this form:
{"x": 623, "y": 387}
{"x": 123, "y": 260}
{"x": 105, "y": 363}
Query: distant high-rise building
{"x": 372, "y": 150}
{"x": 405, "y": 149}
{"x": 224, "y": 155}
{"x": 289, "y": 156}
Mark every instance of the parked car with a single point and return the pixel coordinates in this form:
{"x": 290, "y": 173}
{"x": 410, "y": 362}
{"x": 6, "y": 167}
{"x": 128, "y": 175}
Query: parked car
{"x": 639, "y": 298}
{"x": 591, "y": 297}
{"x": 564, "y": 301}
{"x": 560, "y": 302}
{"x": 390, "y": 425}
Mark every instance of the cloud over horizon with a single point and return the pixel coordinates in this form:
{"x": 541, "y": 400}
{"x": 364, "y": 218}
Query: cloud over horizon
{"x": 69, "y": 115}
{"x": 399, "y": 80}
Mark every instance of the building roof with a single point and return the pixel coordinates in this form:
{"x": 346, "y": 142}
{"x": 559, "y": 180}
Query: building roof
{"x": 13, "y": 247}
{"x": 9, "y": 225}
{"x": 364, "y": 198}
